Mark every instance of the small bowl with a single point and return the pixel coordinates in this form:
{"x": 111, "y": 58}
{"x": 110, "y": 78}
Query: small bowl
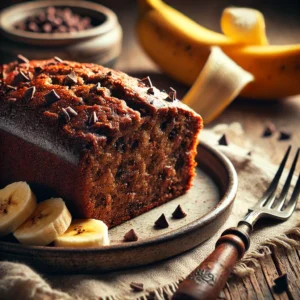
{"x": 100, "y": 44}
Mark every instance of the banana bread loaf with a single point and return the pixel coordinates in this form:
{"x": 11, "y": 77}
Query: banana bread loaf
{"x": 107, "y": 143}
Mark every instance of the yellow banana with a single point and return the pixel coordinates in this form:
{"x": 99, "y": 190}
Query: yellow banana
{"x": 181, "y": 47}
{"x": 244, "y": 25}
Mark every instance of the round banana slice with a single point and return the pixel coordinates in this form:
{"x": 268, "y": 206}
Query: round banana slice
{"x": 245, "y": 25}
{"x": 219, "y": 82}
{"x": 17, "y": 203}
{"x": 50, "y": 219}
{"x": 84, "y": 233}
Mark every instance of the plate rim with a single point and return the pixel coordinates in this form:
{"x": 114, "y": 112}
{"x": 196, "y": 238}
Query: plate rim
{"x": 225, "y": 202}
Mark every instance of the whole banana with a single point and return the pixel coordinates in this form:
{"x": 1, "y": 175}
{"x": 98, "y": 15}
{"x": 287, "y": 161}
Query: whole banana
{"x": 181, "y": 47}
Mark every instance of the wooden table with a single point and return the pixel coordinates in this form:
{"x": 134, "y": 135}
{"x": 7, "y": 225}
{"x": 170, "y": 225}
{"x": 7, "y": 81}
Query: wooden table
{"x": 283, "y": 27}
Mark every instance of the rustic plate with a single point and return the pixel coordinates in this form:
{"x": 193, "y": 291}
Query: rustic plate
{"x": 208, "y": 204}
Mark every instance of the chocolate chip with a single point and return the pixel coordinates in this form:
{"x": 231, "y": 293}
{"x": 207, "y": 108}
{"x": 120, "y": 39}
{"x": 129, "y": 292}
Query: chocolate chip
{"x": 178, "y": 213}
{"x": 56, "y": 58}
{"x": 93, "y": 118}
{"x": 29, "y": 93}
{"x": 150, "y": 91}
{"x": 20, "y": 77}
{"x": 51, "y": 97}
{"x": 283, "y": 136}
{"x": 109, "y": 73}
{"x": 71, "y": 111}
{"x": 70, "y": 79}
{"x": 223, "y": 140}
{"x": 161, "y": 222}
{"x": 137, "y": 286}
{"x": 22, "y": 59}
{"x": 66, "y": 115}
{"x": 10, "y": 88}
{"x": 131, "y": 236}
{"x": 281, "y": 283}
{"x": 249, "y": 153}
{"x": 38, "y": 69}
{"x": 269, "y": 130}
{"x": 95, "y": 88}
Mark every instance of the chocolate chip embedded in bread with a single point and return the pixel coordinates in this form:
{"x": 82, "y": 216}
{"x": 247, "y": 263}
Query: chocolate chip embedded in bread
{"x": 137, "y": 286}
{"x": 93, "y": 118}
{"x": 38, "y": 69}
{"x": 131, "y": 236}
{"x": 70, "y": 79}
{"x": 178, "y": 213}
{"x": 71, "y": 111}
{"x": 223, "y": 140}
{"x": 29, "y": 93}
{"x": 161, "y": 222}
{"x": 66, "y": 115}
{"x": 95, "y": 88}
{"x": 22, "y": 59}
{"x": 51, "y": 97}
{"x": 56, "y": 58}
{"x": 20, "y": 77}
{"x": 283, "y": 136}
{"x": 109, "y": 73}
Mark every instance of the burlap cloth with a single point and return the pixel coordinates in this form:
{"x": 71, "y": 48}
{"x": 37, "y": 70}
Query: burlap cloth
{"x": 18, "y": 281}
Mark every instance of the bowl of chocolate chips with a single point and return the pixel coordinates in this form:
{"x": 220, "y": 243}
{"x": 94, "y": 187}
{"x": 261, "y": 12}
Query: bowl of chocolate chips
{"x": 73, "y": 30}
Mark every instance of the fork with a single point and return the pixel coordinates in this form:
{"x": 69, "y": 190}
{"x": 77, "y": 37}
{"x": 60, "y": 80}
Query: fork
{"x": 209, "y": 278}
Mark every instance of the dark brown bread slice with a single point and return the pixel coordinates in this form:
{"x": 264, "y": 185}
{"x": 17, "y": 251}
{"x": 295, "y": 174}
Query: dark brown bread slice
{"x": 95, "y": 137}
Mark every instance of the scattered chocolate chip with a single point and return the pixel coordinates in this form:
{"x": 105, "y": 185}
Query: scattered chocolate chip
{"x": 109, "y": 73}
{"x": 95, "y": 88}
{"x": 161, "y": 222}
{"x": 249, "y": 153}
{"x": 131, "y": 236}
{"x": 269, "y": 130}
{"x": 150, "y": 91}
{"x": 283, "y": 136}
{"x": 38, "y": 69}
{"x": 70, "y": 79}
{"x": 66, "y": 115}
{"x": 56, "y": 58}
{"x": 93, "y": 118}
{"x": 20, "y": 77}
{"x": 178, "y": 213}
{"x": 22, "y": 59}
{"x": 223, "y": 140}
{"x": 71, "y": 111}
{"x": 29, "y": 93}
{"x": 137, "y": 286}
{"x": 10, "y": 88}
{"x": 51, "y": 97}
{"x": 281, "y": 283}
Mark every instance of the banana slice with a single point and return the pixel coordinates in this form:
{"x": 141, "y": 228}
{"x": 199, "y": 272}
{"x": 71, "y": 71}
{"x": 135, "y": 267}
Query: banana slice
{"x": 17, "y": 203}
{"x": 84, "y": 233}
{"x": 219, "y": 82}
{"x": 244, "y": 25}
{"x": 50, "y": 219}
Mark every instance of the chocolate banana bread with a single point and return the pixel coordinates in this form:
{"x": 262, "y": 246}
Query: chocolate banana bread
{"x": 109, "y": 144}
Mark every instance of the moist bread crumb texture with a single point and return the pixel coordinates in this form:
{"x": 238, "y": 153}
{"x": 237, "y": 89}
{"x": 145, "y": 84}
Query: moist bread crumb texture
{"x": 96, "y": 137}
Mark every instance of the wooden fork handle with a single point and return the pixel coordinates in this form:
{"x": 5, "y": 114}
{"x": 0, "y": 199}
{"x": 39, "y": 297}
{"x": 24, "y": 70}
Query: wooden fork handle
{"x": 208, "y": 279}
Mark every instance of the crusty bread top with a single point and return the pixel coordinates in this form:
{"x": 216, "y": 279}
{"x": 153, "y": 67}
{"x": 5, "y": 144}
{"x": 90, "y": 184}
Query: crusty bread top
{"x": 85, "y": 100}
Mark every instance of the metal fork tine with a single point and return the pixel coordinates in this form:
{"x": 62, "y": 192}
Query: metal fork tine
{"x": 283, "y": 195}
{"x": 273, "y": 185}
{"x": 293, "y": 201}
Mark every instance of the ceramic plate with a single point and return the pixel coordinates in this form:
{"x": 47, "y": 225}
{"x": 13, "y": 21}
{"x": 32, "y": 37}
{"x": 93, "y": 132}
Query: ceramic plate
{"x": 207, "y": 204}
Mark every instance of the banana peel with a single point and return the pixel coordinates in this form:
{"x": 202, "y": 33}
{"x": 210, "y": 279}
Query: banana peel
{"x": 181, "y": 48}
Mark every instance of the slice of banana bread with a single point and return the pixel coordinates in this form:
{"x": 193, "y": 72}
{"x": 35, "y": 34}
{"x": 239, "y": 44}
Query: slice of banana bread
{"x": 107, "y": 143}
